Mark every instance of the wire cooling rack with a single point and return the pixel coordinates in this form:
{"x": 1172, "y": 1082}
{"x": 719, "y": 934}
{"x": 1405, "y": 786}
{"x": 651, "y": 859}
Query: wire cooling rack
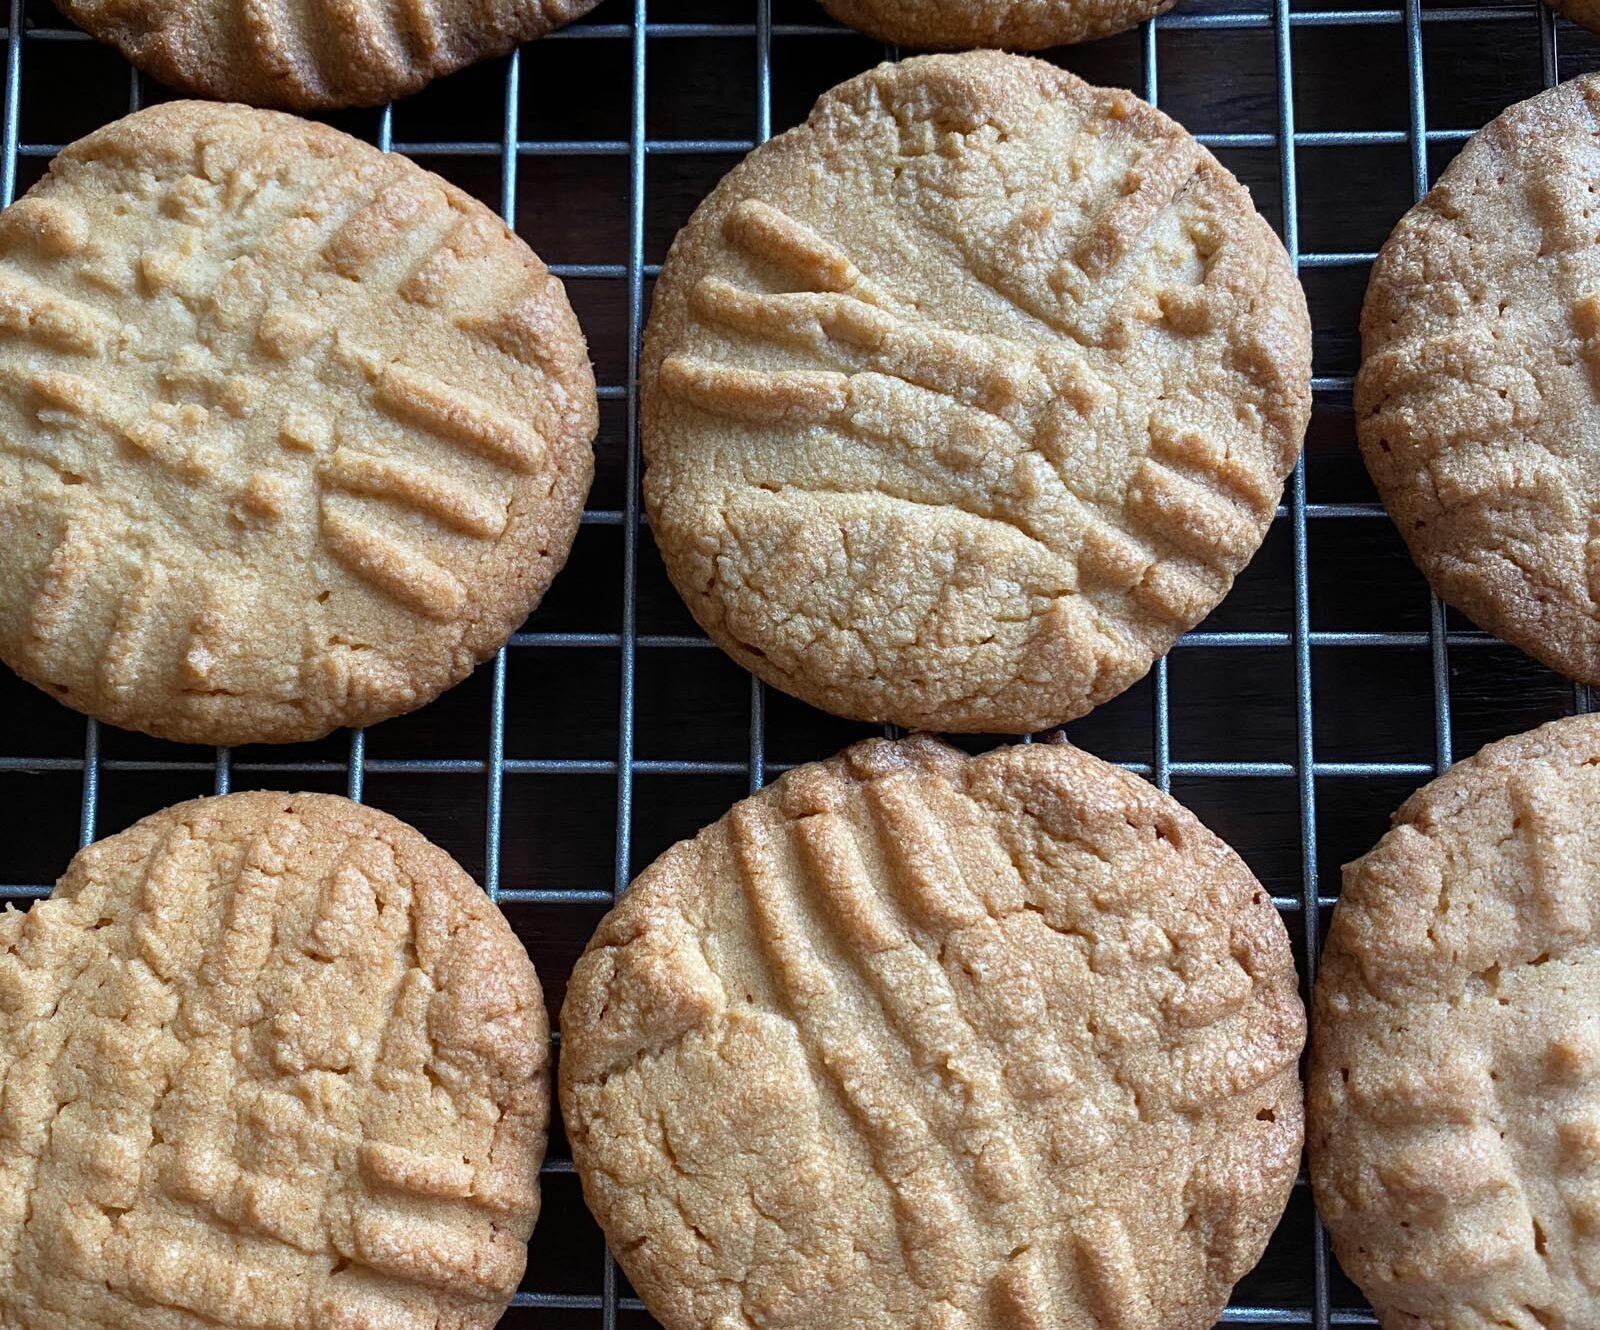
{"x": 1323, "y": 690}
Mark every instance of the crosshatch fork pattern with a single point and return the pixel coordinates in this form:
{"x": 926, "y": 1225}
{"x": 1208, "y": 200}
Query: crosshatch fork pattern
{"x": 1312, "y": 764}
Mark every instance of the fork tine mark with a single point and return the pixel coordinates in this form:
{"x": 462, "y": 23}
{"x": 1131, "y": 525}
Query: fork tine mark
{"x": 468, "y": 1259}
{"x": 456, "y": 505}
{"x": 920, "y": 1004}
{"x": 466, "y": 242}
{"x": 934, "y": 882}
{"x": 400, "y": 1169}
{"x": 967, "y": 369}
{"x": 391, "y": 567}
{"x": 1189, "y": 517}
{"x": 1110, "y": 1275}
{"x": 1156, "y": 184}
{"x": 918, "y": 1171}
{"x": 451, "y": 413}
{"x": 127, "y": 649}
{"x": 41, "y": 314}
{"x": 67, "y": 580}
{"x": 802, "y": 397}
{"x": 763, "y": 232}
{"x": 393, "y": 214}
{"x": 1022, "y": 1292}
{"x": 272, "y": 39}
{"x": 1204, "y": 457}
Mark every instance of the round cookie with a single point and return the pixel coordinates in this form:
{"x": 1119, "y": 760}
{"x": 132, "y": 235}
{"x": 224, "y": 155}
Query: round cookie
{"x": 271, "y": 1060}
{"x": 917, "y": 1040}
{"x": 292, "y": 433}
{"x": 1452, "y": 1110}
{"x": 1476, "y": 402}
{"x": 316, "y": 56}
{"x": 968, "y": 396}
{"x": 1020, "y": 25}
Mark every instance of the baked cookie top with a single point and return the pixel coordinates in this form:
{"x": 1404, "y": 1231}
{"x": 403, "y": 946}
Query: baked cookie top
{"x": 270, "y": 1060}
{"x": 292, "y": 433}
{"x": 1020, "y": 25}
{"x": 965, "y": 398}
{"x": 1476, "y": 401}
{"x": 1452, "y": 1109}
{"x": 912, "y": 1039}
{"x": 308, "y": 57}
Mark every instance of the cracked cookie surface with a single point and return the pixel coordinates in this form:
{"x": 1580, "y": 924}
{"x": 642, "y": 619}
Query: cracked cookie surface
{"x": 912, "y": 1039}
{"x": 965, "y": 398}
{"x": 273, "y": 1061}
{"x": 292, "y": 433}
{"x": 1476, "y": 401}
{"x": 313, "y": 54}
{"x": 1018, "y": 25}
{"x": 1451, "y": 1106}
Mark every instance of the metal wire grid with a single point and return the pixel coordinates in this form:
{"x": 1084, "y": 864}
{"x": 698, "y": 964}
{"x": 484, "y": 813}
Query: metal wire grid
{"x": 510, "y": 149}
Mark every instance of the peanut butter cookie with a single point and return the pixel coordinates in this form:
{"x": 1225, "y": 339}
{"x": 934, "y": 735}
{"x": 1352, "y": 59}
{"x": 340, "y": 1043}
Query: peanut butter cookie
{"x": 292, "y": 433}
{"x": 915, "y": 1040}
{"x": 308, "y": 57}
{"x": 1476, "y": 402}
{"x": 273, "y": 1061}
{"x": 1452, "y": 1108}
{"x": 965, "y": 398}
{"x": 1019, "y": 25}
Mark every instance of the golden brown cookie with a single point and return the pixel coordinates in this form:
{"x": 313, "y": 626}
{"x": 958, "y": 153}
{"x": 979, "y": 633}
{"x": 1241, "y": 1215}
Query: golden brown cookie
{"x": 920, "y": 1041}
{"x": 313, "y": 56}
{"x": 292, "y": 434}
{"x": 270, "y": 1060}
{"x": 1476, "y": 402}
{"x": 1452, "y": 1104}
{"x": 967, "y": 397}
{"x": 1020, "y": 25}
